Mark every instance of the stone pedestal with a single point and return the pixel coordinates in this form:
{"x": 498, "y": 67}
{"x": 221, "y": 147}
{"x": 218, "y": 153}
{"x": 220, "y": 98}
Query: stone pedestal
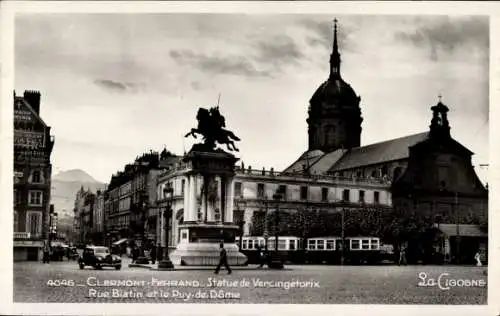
{"x": 200, "y": 236}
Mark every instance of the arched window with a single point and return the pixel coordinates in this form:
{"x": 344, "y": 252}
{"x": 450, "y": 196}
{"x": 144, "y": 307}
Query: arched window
{"x": 330, "y": 135}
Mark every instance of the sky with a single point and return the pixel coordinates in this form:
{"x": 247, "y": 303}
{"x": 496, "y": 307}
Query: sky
{"x": 116, "y": 85}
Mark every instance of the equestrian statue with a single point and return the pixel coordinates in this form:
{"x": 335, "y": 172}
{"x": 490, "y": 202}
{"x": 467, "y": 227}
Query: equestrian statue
{"x": 211, "y": 125}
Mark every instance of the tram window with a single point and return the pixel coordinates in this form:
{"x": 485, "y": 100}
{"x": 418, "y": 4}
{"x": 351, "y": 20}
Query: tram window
{"x": 355, "y": 244}
{"x": 250, "y": 244}
{"x": 282, "y": 244}
{"x": 330, "y": 244}
{"x": 245, "y": 244}
{"x": 375, "y": 244}
{"x": 321, "y": 244}
{"x": 311, "y": 244}
{"x": 291, "y": 244}
{"x": 262, "y": 243}
{"x": 365, "y": 243}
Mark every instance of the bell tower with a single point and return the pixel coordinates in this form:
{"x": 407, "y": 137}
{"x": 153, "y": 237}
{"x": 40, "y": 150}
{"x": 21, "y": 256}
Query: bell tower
{"x": 334, "y": 114}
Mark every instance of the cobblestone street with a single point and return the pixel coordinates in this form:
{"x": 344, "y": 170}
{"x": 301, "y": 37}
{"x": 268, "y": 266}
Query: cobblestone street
{"x": 61, "y": 282}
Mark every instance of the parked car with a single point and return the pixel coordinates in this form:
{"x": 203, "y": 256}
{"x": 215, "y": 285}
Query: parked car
{"x": 99, "y": 257}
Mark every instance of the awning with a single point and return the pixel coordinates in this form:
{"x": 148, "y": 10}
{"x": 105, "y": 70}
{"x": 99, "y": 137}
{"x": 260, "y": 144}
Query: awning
{"x": 464, "y": 230}
{"x": 121, "y": 241}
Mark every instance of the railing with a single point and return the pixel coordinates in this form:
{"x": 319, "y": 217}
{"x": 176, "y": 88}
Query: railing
{"x": 181, "y": 166}
{"x": 313, "y": 176}
{"x": 22, "y": 235}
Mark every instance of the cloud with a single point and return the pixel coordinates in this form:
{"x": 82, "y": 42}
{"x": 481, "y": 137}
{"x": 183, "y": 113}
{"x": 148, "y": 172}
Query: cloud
{"x": 447, "y": 35}
{"x": 216, "y": 64}
{"x": 116, "y": 86}
{"x": 264, "y": 58}
{"x": 279, "y": 49}
{"x": 322, "y": 34}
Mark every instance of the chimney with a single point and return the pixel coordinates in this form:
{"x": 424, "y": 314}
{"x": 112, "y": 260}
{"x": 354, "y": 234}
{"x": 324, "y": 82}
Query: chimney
{"x": 33, "y": 99}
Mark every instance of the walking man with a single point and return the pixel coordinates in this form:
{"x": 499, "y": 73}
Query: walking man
{"x": 153, "y": 254}
{"x": 222, "y": 260}
{"x": 46, "y": 252}
{"x": 261, "y": 256}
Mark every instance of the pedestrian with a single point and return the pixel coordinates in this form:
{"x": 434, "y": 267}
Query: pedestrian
{"x": 159, "y": 252}
{"x": 478, "y": 259}
{"x": 46, "y": 253}
{"x": 261, "y": 255}
{"x": 153, "y": 254}
{"x": 135, "y": 253}
{"x": 222, "y": 260}
{"x": 402, "y": 256}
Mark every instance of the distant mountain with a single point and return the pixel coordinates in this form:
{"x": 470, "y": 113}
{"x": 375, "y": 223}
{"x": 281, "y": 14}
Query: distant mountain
{"x": 74, "y": 175}
{"x": 63, "y": 192}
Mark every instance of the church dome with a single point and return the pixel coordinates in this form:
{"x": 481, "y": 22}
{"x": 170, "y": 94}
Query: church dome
{"x": 335, "y": 91}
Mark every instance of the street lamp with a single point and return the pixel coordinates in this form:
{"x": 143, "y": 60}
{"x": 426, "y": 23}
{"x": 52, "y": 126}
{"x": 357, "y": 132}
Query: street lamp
{"x": 165, "y": 263}
{"x": 342, "y": 228}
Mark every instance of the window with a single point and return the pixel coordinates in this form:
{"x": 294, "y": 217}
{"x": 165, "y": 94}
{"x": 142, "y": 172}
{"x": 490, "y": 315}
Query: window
{"x": 244, "y": 244}
{"x": 374, "y": 174}
{"x": 345, "y": 195}
{"x": 330, "y": 244}
{"x": 365, "y": 244}
{"x": 282, "y": 191}
{"x": 36, "y": 177}
{"x": 36, "y": 198}
{"x": 237, "y": 189}
{"x": 281, "y": 244}
{"x": 329, "y": 135}
{"x": 324, "y": 194}
{"x": 34, "y": 223}
{"x": 361, "y": 196}
{"x": 260, "y": 190}
{"x": 355, "y": 244}
{"x": 16, "y": 221}
{"x": 17, "y": 197}
{"x": 250, "y": 244}
{"x": 291, "y": 245}
{"x": 183, "y": 185}
{"x": 311, "y": 244}
{"x": 375, "y": 244}
{"x": 384, "y": 171}
{"x": 321, "y": 244}
{"x": 303, "y": 193}
{"x": 376, "y": 197}
{"x": 217, "y": 215}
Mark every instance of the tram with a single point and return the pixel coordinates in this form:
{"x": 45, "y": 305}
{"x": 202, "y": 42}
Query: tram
{"x": 317, "y": 250}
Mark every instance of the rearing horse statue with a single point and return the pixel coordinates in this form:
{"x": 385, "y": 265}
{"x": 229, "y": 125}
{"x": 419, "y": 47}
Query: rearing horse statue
{"x": 211, "y": 126}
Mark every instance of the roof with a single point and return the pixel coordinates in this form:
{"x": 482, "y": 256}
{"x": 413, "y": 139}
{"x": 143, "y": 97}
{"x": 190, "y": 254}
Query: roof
{"x": 394, "y": 149}
{"x": 308, "y": 158}
{"x": 464, "y": 230}
{"x": 325, "y": 162}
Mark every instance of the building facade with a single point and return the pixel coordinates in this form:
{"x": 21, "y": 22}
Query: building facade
{"x": 130, "y": 211}
{"x": 98, "y": 232}
{"x": 33, "y": 146}
{"x": 407, "y": 191}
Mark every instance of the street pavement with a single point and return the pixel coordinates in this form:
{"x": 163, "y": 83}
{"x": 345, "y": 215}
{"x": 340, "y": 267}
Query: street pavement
{"x": 64, "y": 282}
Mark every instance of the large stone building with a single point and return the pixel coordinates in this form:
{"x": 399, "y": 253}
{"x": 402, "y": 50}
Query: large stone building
{"x": 400, "y": 188}
{"x": 130, "y": 198}
{"x": 33, "y": 146}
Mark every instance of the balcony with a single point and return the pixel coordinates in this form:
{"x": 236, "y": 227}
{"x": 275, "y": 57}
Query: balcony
{"x": 22, "y": 235}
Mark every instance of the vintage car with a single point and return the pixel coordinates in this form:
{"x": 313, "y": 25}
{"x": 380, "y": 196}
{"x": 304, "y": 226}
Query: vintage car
{"x": 99, "y": 257}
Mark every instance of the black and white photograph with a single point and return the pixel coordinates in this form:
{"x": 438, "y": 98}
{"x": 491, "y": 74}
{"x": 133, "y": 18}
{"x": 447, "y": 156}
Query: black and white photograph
{"x": 249, "y": 158}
